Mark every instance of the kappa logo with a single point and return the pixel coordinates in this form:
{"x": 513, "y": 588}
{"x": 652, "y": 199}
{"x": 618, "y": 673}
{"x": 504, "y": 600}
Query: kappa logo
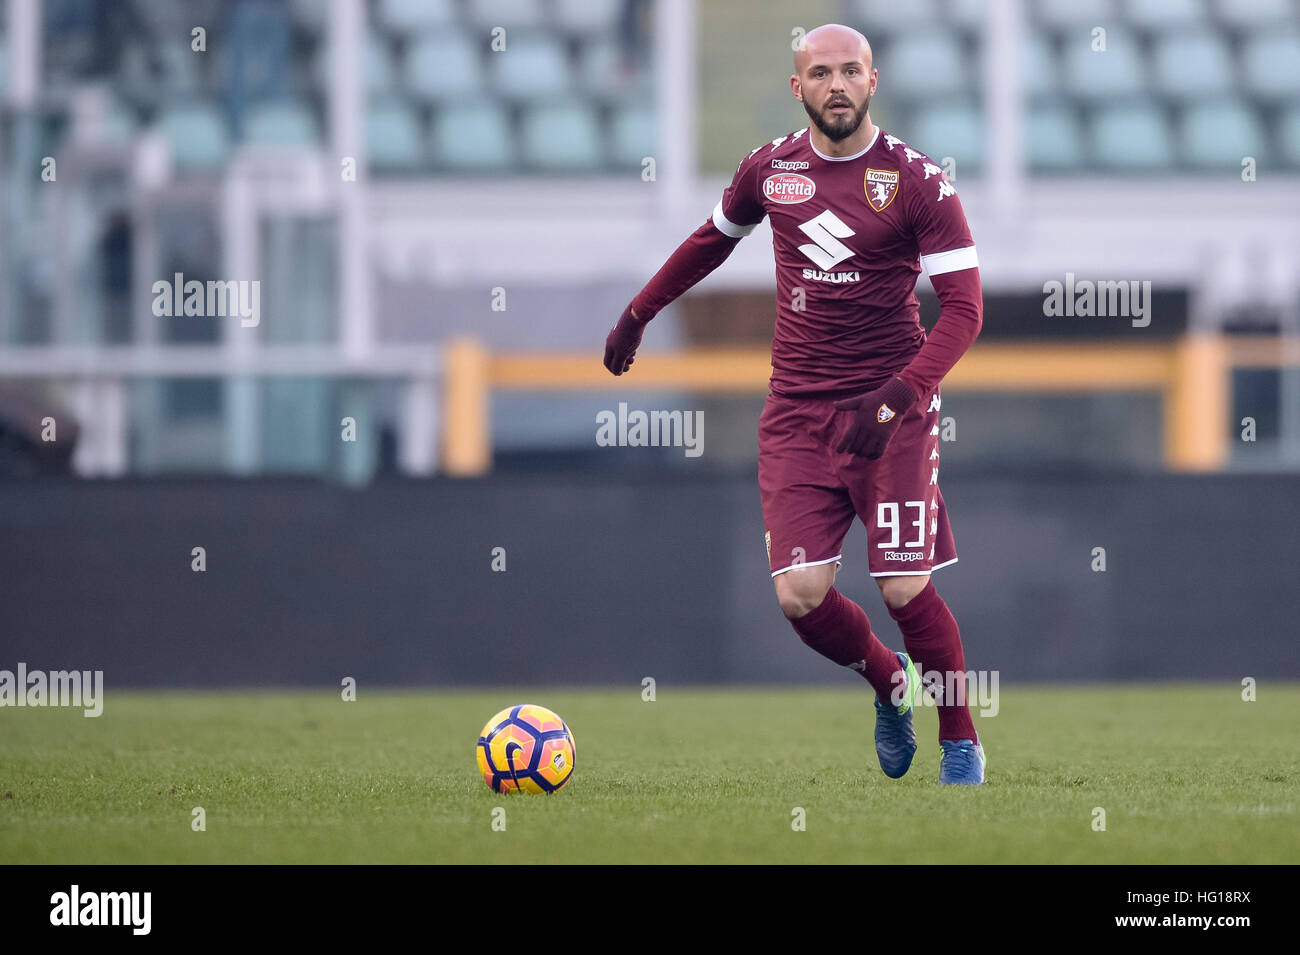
{"x": 767, "y": 539}
{"x": 788, "y": 188}
{"x": 789, "y": 164}
{"x": 881, "y": 186}
{"x": 884, "y": 414}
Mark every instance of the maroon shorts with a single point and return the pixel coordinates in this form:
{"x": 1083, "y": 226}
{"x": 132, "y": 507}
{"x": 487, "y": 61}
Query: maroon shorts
{"x": 811, "y": 493}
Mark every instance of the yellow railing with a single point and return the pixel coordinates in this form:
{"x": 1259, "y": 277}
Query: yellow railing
{"x": 1192, "y": 374}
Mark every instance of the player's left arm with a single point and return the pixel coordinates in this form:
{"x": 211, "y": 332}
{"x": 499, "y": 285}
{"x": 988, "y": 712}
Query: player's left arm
{"x": 948, "y": 256}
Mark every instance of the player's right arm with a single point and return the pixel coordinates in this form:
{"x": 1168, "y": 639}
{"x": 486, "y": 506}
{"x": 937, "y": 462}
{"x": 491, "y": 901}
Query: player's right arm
{"x": 736, "y": 215}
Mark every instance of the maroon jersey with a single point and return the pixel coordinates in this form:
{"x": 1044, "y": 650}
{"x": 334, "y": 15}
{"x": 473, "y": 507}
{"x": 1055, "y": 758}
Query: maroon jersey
{"x": 850, "y": 236}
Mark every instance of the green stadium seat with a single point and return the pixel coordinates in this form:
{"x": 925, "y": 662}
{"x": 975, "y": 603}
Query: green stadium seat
{"x": 925, "y": 65}
{"x": 1188, "y": 65}
{"x": 1219, "y": 133}
{"x": 532, "y": 66}
{"x": 1052, "y": 138}
{"x": 601, "y": 73}
{"x": 284, "y": 123}
{"x": 196, "y": 134}
{"x": 378, "y": 64}
{"x": 972, "y": 14}
{"x": 444, "y": 64}
{"x": 588, "y": 17}
{"x": 1250, "y": 14}
{"x": 1131, "y": 136}
{"x": 1102, "y": 75}
{"x": 1038, "y": 70}
{"x": 1071, "y": 14}
{"x": 473, "y": 136}
{"x": 1271, "y": 64}
{"x": 1159, "y": 15}
{"x": 562, "y": 137}
{"x": 888, "y": 19}
{"x": 511, "y": 14}
{"x": 1288, "y": 137}
{"x": 402, "y": 16}
{"x": 393, "y": 140}
{"x": 633, "y": 136}
{"x": 954, "y": 130}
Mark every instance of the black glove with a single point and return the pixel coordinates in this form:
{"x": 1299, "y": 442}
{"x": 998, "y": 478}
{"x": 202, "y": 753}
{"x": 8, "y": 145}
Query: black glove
{"x": 874, "y": 417}
{"x": 622, "y": 342}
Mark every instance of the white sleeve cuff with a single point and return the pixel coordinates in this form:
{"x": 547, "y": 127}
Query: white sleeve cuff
{"x": 954, "y": 260}
{"x": 727, "y": 227}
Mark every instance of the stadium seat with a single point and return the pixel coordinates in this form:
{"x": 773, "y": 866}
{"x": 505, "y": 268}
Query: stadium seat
{"x": 1188, "y": 65}
{"x": 1288, "y": 137}
{"x": 378, "y": 66}
{"x": 531, "y": 66}
{"x": 1071, "y": 14}
{"x": 949, "y": 130}
{"x": 1249, "y": 14}
{"x": 1131, "y": 137}
{"x": 1220, "y": 133}
{"x": 1271, "y": 64}
{"x": 633, "y": 136}
{"x": 313, "y": 15}
{"x": 880, "y": 17}
{"x": 603, "y": 75}
{"x": 393, "y": 138}
{"x": 1052, "y": 138}
{"x": 967, "y": 13}
{"x": 511, "y": 14}
{"x": 563, "y": 136}
{"x": 588, "y": 17}
{"x": 1159, "y": 15}
{"x": 196, "y": 135}
{"x": 285, "y": 123}
{"x": 1038, "y": 71}
{"x": 1116, "y": 71}
{"x": 924, "y": 64}
{"x": 403, "y": 16}
{"x": 472, "y": 136}
{"x": 444, "y": 64}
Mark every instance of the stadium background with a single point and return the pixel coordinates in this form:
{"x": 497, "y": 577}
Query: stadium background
{"x": 519, "y": 178}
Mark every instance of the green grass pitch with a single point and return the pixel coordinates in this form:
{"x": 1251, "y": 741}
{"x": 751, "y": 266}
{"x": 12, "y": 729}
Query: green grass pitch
{"x": 1185, "y": 774}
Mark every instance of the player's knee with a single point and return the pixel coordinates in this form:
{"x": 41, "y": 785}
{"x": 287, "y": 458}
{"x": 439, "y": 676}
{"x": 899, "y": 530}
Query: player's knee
{"x": 897, "y": 591}
{"x": 800, "y": 592}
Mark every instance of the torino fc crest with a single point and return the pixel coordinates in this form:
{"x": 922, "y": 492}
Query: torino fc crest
{"x": 880, "y": 185}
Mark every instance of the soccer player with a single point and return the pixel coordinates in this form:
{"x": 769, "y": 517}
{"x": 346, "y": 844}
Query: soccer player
{"x": 851, "y": 422}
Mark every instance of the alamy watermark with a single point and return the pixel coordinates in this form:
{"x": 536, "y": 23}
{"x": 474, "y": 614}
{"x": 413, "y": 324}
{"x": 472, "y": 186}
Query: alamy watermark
{"x": 651, "y": 429}
{"x": 1125, "y": 298}
{"x": 953, "y": 688}
{"x": 83, "y": 688}
{"x": 213, "y": 299}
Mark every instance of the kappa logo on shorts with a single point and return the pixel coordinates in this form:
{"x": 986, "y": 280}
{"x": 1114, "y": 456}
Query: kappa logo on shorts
{"x": 884, "y": 414}
{"x": 880, "y": 185}
{"x": 767, "y": 539}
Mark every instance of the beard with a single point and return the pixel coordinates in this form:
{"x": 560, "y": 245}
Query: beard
{"x": 838, "y": 129}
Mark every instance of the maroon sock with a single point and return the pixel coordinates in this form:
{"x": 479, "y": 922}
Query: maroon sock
{"x": 933, "y": 641}
{"x": 840, "y": 631}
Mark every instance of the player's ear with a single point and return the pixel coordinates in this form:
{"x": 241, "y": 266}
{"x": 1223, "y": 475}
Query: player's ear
{"x": 794, "y": 87}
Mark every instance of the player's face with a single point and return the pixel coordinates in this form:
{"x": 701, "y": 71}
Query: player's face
{"x": 837, "y": 96}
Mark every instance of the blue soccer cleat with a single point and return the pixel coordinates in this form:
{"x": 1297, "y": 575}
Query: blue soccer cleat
{"x": 895, "y": 738}
{"x": 962, "y": 763}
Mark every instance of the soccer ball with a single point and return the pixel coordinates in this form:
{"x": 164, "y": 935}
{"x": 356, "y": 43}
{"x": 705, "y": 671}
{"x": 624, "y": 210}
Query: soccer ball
{"x": 526, "y": 748}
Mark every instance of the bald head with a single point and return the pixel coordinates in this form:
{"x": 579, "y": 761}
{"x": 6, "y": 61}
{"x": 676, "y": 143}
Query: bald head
{"x": 831, "y": 43}
{"x": 834, "y": 80}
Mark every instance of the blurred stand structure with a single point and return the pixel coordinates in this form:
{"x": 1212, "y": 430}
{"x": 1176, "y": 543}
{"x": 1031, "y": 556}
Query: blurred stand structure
{"x": 446, "y": 203}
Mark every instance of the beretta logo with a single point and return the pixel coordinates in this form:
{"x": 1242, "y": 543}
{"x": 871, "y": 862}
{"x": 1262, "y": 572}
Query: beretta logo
{"x": 789, "y": 187}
